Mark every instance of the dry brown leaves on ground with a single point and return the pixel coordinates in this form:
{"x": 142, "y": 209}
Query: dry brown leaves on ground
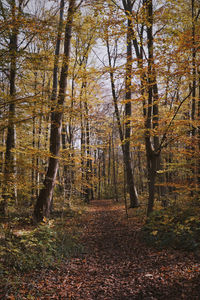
{"x": 116, "y": 265}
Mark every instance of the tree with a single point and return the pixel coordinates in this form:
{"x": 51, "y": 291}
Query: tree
{"x": 42, "y": 206}
{"x": 12, "y": 14}
{"x": 128, "y": 5}
{"x": 124, "y": 136}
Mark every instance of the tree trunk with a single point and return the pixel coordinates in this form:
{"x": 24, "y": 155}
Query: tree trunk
{"x": 33, "y": 171}
{"x": 127, "y": 156}
{"x": 99, "y": 175}
{"x": 151, "y": 169}
{"x": 88, "y": 171}
{"x": 199, "y": 130}
{"x": 152, "y": 114}
{"x": 125, "y": 139}
{"x": 42, "y": 207}
{"x": 109, "y": 161}
{"x": 92, "y": 179}
{"x": 95, "y": 173}
{"x": 193, "y": 112}
{"x": 66, "y": 169}
{"x": 9, "y": 190}
{"x": 114, "y": 171}
{"x": 82, "y": 145}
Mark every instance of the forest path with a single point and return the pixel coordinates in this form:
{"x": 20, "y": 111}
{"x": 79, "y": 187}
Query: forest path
{"x": 117, "y": 265}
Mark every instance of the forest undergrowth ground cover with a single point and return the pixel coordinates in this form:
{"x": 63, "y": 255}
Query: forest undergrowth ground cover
{"x": 115, "y": 265}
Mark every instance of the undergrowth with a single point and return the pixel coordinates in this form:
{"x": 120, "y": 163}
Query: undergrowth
{"x": 27, "y": 250}
{"x": 173, "y": 227}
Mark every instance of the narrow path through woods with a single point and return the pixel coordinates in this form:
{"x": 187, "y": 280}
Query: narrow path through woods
{"x": 117, "y": 265}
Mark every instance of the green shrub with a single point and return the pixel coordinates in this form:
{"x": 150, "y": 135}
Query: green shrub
{"x": 173, "y": 227}
{"x": 38, "y": 248}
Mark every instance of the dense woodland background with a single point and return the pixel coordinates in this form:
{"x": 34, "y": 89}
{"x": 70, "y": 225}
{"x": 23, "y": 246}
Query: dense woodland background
{"x": 122, "y": 104}
{"x": 98, "y": 100}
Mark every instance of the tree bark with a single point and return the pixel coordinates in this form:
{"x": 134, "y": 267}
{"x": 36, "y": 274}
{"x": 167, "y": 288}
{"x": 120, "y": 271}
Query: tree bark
{"x": 198, "y": 176}
{"x": 99, "y": 175}
{"x": 125, "y": 138}
{"x": 152, "y": 150}
{"x": 114, "y": 170}
{"x": 88, "y": 171}
{"x": 127, "y": 156}
{"x": 9, "y": 169}
{"x": 33, "y": 171}
{"x": 193, "y": 110}
{"x": 42, "y": 206}
{"x": 109, "y": 161}
{"x": 82, "y": 142}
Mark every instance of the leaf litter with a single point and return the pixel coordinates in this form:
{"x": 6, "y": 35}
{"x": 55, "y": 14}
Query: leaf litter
{"x": 115, "y": 265}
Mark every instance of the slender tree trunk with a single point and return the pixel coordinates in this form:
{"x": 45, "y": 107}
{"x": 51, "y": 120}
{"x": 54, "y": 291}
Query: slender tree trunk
{"x": 88, "y": 171}
{"x": 124, "y": 192}
{"x": 9, "y": 189}
{"x": 161, "y": 189}
{"x": 95, "y": 173}
{"x": 193, "y": 112}
{"x": 125, "y": 138}
{"x": 99, "y": 175}
{"x": 38, "y": 159}
{"x": 92, "y": 181}
{"x": 71, "y": 141}
{"x": 67, "y": 136}
{"x": 103, "y": 174}
{"x": 199, "y": 129}
{"x": 114, "y": 171}
{"x": 140, "y": 170}
{"x": 109, "y": 161}
{"x": 129, "y": 171}
{"x": 2, "y": 155}
{"x": 33, "y": 171}
{"x": 42, "y": 207}
{"x": 152, "y": 157}
{"x": 82, "y": 147}
{"x": 148, "y": 87}
{"x": 66, "y": 168}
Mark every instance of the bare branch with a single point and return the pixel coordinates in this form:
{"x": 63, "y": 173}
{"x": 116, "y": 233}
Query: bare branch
{"x": 81, "y": 1}
{"x": 19, "y": 100}
{"x": 161, "y": 146}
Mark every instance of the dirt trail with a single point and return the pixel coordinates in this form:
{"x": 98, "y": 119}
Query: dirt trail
{"x": 117, "y": 265}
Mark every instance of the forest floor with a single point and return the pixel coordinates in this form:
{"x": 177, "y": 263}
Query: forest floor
{"x": 116, "y": 264}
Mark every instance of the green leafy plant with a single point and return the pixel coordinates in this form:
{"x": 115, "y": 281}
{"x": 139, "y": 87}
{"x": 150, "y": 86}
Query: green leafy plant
{"x": 173, "y": 227}
{"x": 40, "y": 247}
